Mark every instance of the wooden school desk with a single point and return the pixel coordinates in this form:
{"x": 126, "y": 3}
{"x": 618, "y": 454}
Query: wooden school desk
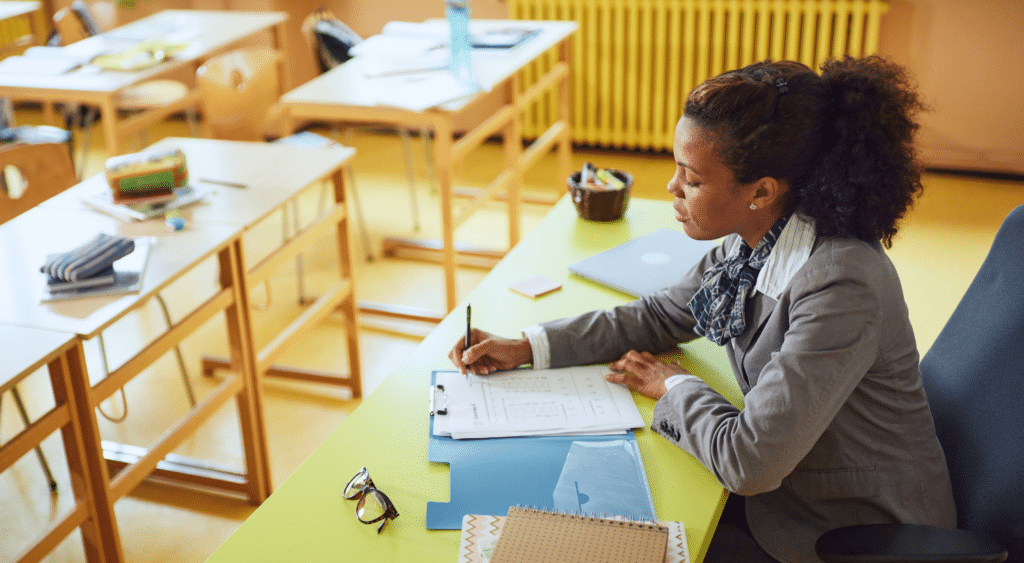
{"x": 346, "y": 94}
{"x": 25, "y": 350}
{"x": 30, "y": 237}
{"x": 215, "y": 231}
{"x": 272, "y": 174}
{"x": 306, "y": 519}
{"x": 206, "y": 33}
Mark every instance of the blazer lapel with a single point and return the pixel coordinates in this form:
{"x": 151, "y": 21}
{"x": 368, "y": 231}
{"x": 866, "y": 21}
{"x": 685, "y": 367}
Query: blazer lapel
{"x": 762, "y": 309}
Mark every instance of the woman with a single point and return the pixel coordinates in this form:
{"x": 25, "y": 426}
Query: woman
{"x": 807, "y": 177}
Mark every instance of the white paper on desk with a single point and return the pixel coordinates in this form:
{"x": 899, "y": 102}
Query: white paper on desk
{"x": 102, "y": 199}
{"x": 37, "y": 66}
{"x": 383, "y": 64}
{"x": 81, "y": 52}
{"x": 422, "y": 91}
{"x": 572, "y": 400}
{"x": 394, "y": 44}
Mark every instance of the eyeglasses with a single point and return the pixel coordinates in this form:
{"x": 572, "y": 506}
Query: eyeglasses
{"x": 378, "y": 509}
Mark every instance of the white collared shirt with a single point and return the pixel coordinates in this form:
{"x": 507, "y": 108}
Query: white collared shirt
{"x": 788, "y": 255}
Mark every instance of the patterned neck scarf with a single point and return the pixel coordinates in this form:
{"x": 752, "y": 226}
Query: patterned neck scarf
{"x": 720, "y": 303}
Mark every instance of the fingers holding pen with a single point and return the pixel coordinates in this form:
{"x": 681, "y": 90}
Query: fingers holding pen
{"x": 488, "y": 353}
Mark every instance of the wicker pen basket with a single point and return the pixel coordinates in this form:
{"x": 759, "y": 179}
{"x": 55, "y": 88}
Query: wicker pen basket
{"x": 601, "y": 205}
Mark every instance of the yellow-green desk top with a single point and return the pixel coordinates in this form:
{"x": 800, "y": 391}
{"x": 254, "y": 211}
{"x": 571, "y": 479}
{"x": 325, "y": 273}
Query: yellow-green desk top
{"x": 307, "y": 519}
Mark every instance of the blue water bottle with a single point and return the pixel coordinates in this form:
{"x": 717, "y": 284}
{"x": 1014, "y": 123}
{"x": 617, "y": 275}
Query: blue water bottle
{"x": 461, "y": 62}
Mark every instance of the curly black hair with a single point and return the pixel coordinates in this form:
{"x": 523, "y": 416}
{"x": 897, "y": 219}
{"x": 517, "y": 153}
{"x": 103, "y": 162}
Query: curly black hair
{"x": 843, "y": 140}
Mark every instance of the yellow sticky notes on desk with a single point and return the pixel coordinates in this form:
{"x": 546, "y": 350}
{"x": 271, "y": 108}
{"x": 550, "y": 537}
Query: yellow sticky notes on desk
{"x": 535, "y": 286}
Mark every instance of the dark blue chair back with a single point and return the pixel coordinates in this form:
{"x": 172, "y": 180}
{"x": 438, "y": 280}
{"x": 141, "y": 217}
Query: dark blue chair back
{"x": 974, "y": 377}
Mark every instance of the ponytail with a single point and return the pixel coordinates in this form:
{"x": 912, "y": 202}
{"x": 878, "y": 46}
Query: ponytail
{"x": 868, "y": 176}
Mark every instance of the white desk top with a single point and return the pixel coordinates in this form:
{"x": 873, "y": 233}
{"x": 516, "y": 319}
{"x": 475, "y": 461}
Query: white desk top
{"x": 26, "y": 240}
{"x": 348, "y": 84}
{"x": 15, "y": 9}
{"x": 272, "y": 172}
{"x": 25, "y": 350}
{"x": 204, "y": 31}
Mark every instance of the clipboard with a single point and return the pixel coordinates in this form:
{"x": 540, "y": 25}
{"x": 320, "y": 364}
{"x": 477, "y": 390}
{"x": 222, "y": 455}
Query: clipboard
{"x": 487, "y": 476}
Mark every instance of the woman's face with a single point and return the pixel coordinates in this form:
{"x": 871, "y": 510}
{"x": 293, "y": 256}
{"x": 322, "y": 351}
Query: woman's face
{"x": 709, "y": 202}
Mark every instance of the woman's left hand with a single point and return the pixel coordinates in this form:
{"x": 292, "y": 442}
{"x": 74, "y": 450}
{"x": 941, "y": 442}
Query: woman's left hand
{"x": 643, "y": 373}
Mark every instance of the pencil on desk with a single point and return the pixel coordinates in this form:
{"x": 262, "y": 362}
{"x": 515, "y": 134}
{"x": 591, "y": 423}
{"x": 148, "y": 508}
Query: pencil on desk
{"x": 224, "y": 183}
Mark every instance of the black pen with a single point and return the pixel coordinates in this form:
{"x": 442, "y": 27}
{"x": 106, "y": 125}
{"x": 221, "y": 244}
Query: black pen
{"x": 468, "y": 333}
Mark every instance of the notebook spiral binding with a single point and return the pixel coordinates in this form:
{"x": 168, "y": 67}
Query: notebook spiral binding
{"x": 624, "y": 521}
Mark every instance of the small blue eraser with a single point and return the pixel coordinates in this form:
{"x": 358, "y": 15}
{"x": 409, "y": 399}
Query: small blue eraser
{"x": 175, "y": 223}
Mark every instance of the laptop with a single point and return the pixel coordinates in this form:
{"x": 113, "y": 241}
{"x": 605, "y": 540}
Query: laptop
{"x": 645, "y": 264}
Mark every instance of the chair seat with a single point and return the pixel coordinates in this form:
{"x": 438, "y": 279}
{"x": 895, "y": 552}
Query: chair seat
{"x": 907, "y": 542}
{"x": 151, "y": 94}
{"x": 34, "y": 134}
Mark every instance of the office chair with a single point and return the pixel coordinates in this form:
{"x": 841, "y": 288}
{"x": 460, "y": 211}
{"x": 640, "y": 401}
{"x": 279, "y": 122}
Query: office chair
{"x": 330, "y": 39}
{"x": 239, "y": 100}
{"x": 75, "y": 23}
{"x": 974, "y": 378}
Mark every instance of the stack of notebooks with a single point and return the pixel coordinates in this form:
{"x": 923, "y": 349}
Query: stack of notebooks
{"x": 538, "y": 536}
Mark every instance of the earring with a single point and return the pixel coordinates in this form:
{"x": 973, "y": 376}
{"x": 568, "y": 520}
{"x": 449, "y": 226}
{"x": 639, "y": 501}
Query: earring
{"x": 753, "y": 206}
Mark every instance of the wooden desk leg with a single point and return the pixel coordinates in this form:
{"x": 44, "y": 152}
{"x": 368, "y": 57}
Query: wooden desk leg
{"x": 109, "y": 120}
{"x": 243, "y": 361}
{"x": 512, "y": 141}
{"x": 443, "y": 165}
{"x": 348, "y": 306}
{"x": 90, "y": 480}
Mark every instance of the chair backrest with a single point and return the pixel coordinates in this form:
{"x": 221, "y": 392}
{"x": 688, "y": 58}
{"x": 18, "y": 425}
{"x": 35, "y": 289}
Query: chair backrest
{"x": 31, "y": 174}
{"x": 974, "y": 378}
{"x": 239, "y": 90}
{"x": 329, "y": 38}
{"x": 75, "y": 23}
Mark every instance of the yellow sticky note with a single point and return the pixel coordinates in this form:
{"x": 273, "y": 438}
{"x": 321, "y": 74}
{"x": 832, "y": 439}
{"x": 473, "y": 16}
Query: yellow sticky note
{"x": 535, "y": 286}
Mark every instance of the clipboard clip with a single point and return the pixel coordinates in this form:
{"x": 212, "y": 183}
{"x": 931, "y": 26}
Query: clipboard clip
{"x": 433, "y": 400}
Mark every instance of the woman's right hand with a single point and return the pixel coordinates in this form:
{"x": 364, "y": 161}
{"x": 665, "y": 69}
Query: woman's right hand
{"x": 489, "y": 353}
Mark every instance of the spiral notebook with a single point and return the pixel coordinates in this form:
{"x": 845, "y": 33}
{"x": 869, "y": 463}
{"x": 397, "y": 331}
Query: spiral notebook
{"x": 538, "y": 536}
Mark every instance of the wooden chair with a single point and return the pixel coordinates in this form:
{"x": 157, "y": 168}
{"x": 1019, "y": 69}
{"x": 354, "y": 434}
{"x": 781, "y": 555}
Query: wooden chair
{"x": 74, "y": 23}
{"x": 29, "y": 175}
{"x": 239, "y": 93}
{"x": 326, "y": 60}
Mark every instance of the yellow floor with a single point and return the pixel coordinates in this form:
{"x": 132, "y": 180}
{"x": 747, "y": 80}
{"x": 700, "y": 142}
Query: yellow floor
{"x": 943, "y": 242}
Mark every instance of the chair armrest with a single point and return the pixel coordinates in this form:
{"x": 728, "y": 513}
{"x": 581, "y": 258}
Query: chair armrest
{"x": 879, "y": 543}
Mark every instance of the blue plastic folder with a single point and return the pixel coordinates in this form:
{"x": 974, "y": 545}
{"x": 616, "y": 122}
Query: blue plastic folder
{"x": 490, "y": 475}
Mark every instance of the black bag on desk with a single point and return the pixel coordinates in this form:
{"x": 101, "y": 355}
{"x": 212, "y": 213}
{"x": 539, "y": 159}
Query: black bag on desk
{"x": 333, "y": 41}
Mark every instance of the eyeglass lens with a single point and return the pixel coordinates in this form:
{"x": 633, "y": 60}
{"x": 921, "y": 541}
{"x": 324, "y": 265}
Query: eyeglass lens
{"x": 355, "y": 487}
{"x": 373, "y": 505}
{"x": 369, "y": 511}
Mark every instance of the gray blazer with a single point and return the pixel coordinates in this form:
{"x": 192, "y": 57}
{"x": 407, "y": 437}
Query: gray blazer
{"x": 835, "y": 428}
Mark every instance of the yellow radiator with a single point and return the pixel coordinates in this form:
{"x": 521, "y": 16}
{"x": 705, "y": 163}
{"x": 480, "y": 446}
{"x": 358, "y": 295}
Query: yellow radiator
{"x": 634, "y": 61}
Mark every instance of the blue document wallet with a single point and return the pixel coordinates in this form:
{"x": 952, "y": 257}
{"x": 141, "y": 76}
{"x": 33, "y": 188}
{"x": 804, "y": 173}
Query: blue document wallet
{"x": 487, "y": 476}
